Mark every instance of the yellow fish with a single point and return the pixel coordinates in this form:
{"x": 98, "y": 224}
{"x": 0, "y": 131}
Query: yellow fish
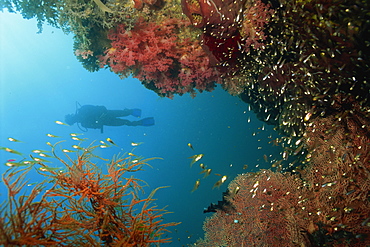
{"x": 32, "y": 183}
{"x": 51, "y": 135}
{"x": 76, "y": 134}
{"x": 77, "y": 147}
{"x": 195, "y": 158}
{"x": 61, "y": 123}
{"x": 11, "y": 164}
{"x": 201, "y": 165}
{"x": 196, "y": 185}
{"x": 190, "y": 146}
{"x": 38, "y": 159}
{"x": 277, "y": 163}
{"x": 236, "y": 190}
{"x": 309, "y": 114}
{"x": 28, "y": 162}
{"x": 134, "y": 144}
{"x": 206, "y": 172}
{"x": 298, "y": 150}
{"x": 48, "y": 169}
{"x": 75, "y": 138}
{"x": 13, "y": 139}
{"x": 10, "y": 150}
{"x": 37, "y": 151}
{"x": 219, "y": 182}
{"x": 111, "y": 141}
{"x": 45, "y": 155}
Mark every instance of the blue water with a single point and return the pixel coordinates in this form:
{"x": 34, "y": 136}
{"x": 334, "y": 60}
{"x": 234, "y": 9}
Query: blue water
{"x": 41, "y": 80}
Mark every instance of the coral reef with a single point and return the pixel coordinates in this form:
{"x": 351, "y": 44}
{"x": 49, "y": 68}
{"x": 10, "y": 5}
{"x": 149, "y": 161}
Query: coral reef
{"x": 156, "y": 55}
{"x": 302, "y": 65}
{"x": 262, "y": 212}
{"x": 312, "y": 50}
{"x": 230, "y": 29}
{"x": 339, "y": 172}
{"x": 274, "y": 54}
{"x": 79, "y": 205}
{"x": 324, "y": 204}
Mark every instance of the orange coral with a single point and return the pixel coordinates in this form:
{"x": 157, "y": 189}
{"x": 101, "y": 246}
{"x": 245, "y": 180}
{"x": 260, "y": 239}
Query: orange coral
{"x": 325, "y": 204}
{"x": 339, "y": 172}
{"x": 23, "y": 218}
{"x": 263, "y": 211}
{"x": 83, "y": 206}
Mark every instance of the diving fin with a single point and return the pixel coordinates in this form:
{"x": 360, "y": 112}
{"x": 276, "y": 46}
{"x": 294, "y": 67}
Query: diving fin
{"x": 136, "y": 112}
{"x": 149, "y": 121}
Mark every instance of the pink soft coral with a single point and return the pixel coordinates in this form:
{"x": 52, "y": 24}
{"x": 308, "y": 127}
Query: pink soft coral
{"x": 153, "y": 54}
{"x": 255, "y": 18}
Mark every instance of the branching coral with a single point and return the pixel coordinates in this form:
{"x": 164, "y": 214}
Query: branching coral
{"x": 339, "y": 171}
{"x": 83, "y": 206}
{"x": 262, "y": 212}
{"x": 326, "y": 203}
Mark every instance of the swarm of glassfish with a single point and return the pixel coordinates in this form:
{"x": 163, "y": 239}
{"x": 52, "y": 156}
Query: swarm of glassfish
{"x": 288, "y": 57}
{"x": 326, "y": 202}
{"x": 312, "y": 51}
{"x": 205, "y": 170}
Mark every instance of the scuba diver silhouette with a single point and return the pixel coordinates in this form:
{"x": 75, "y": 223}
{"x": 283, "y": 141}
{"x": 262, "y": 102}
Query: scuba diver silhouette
{"x": 95, "y": 117}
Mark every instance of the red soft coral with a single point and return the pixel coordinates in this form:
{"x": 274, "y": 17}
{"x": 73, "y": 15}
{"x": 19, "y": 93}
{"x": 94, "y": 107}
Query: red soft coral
{"x": 195, "y": 68}
{"x": 154, "y": 55}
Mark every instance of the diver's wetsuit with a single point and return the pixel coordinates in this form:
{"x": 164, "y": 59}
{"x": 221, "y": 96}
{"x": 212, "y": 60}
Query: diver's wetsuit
{"x": 95, "y": 117}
